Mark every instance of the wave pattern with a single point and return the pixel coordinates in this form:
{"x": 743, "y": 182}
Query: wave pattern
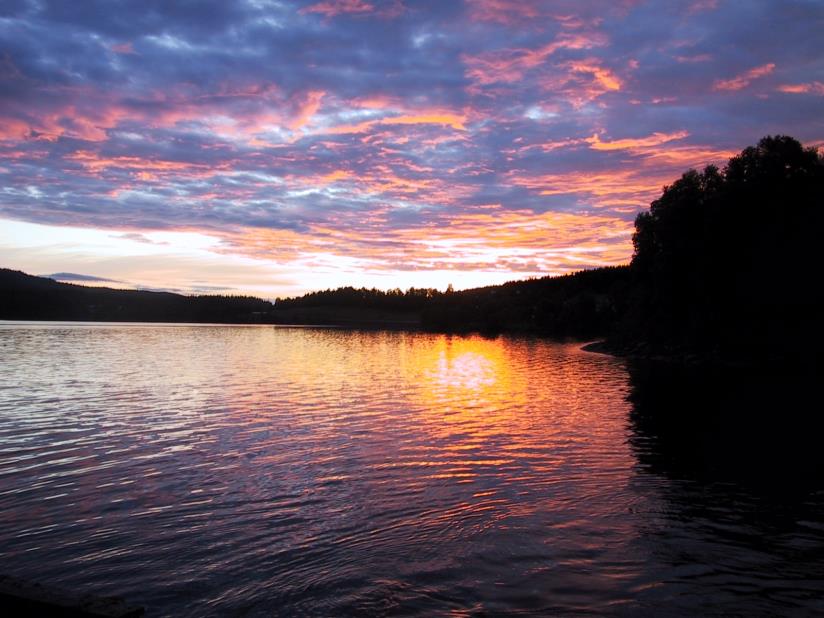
{"x": 212, "y": 470}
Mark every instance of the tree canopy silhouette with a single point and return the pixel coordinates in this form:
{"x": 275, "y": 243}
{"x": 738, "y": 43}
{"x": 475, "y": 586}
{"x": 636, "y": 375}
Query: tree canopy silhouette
{"x": 728, "y": 261}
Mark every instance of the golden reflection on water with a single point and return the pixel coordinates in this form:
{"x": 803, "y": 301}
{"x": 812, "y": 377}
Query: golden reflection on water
{"x": 326, "y": 455}
{"x": 229, "y": 471}
{"x": 442, "y": 394}
{"x": 511, "y": 409}
{"x": 466, "y": 391}
{"x": 474, "y": 365}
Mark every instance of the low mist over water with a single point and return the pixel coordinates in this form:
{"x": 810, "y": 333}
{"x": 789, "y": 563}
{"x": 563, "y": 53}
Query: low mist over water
{"x": 219, "y": 470}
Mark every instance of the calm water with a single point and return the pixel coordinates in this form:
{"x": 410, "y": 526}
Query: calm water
{"x": 209, "y": 470}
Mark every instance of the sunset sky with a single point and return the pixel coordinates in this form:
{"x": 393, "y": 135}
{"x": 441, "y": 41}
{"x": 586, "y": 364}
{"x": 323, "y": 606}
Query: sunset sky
{"x": 275, "y": 147}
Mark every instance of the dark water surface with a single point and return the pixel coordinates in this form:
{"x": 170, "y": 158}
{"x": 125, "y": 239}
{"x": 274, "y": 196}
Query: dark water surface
{"x": 253, "y": 471}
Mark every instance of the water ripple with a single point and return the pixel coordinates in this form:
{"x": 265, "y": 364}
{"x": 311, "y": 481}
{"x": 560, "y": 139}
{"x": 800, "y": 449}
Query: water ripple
{"x": 204, "y": 470}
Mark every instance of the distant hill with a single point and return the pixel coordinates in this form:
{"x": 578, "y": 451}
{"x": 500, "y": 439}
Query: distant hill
{"x": 25, "y": 297}
{"x": 582, "y": 305}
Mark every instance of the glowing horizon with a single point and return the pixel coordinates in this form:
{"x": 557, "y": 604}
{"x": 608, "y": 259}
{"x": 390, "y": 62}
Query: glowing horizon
{"x": 274, "y": 148}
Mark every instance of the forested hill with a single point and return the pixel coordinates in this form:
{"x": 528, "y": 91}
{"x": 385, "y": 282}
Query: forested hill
{"x": 25, "y": 297}
{"x": 583, "y": 304}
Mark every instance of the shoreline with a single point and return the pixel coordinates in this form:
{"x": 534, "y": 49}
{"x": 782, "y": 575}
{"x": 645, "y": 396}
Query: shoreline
{"x": 644, "y": 352}
{"x": 805, "y": 361}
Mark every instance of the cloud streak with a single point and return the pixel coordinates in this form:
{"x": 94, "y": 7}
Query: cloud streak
{"x": 743, "y": 80}
{"x": 486, "y": 138}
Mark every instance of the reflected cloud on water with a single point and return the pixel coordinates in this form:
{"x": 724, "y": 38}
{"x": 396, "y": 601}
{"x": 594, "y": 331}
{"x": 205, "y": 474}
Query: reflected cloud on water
{"x": 204, "y": 470}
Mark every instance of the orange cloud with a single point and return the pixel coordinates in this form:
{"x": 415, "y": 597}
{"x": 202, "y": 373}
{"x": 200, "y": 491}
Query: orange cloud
{"x": 335, "y": 176}
{"x": 86, "y": 124}
{"x": 621, "y": 189}
{"x": 630, "y": 187}
{"x": 742, "y": 81}
{"x": 655, "y": 139}
{"x": 493, "y": 239}
{"x": 679, "y": 158}
{"x": 580, "y": 81}
{"x": 140, "y": 168}
{"x": 564, "y": 143}
{"x": 509, "y": 65}
{"x": 89, "y": 115}
{"x": 449, "y": 119}
{"x": 809, "y": 88}
{"x": 502, "y": 11}
{"x": 605, "y": 78}
{"x": 306, "y": 108}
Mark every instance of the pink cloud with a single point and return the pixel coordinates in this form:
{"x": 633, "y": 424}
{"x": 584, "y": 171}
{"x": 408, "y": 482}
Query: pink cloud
{"x": 503, "y": 11}
{"x": 122, "y": 48}
{"x": 743, "y": 80}
{"x": 422, "y": 117}
{"x": 581, "y": 81}
{"x": 604, "y": 77}
{"x": 523, "y": 12}
{"x": 808, "y": 88}
{"x": 624, "y": 188}
{"x": 694, "y": 58}
{"x": 333, "y": 8}
{"x": 656, "y": 139}
{"x": 239, "y": 113}
{"x": 307, "y": 106}
{"x": 489, "y": 237}
{"x": 139, "y": 168}
{"x": 330, "y": 8}
{"x": 13, "y": 129}
{"x": 510, "y": 65}
{"x": 702, "y": 5}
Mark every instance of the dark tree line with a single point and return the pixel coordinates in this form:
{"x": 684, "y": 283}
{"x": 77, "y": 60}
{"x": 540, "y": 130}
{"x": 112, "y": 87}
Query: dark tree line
{"x": 585, "y": 304}
{"x": 24, "y": 297}
{"x": 728, "y": 262}
{"x": 413, "y": 299}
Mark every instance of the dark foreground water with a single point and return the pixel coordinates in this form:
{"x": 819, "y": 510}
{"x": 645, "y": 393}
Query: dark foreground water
{"x": 246, "y": 471}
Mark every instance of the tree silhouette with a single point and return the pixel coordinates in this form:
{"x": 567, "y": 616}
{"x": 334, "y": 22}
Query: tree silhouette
{"x": 728, "y": 261}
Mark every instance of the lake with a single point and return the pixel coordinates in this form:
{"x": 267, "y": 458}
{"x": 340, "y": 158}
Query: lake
{"x": 225, "y": 470}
